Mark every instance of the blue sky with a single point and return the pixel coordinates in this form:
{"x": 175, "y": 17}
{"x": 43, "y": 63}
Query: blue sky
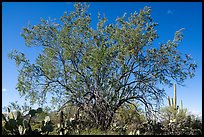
{"x": 171, "y": 16}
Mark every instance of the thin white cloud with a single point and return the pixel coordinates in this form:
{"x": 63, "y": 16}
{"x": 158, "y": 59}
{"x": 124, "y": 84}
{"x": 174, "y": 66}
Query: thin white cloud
{"x": 169, "y": 12}
{"x": 4, "y": 89}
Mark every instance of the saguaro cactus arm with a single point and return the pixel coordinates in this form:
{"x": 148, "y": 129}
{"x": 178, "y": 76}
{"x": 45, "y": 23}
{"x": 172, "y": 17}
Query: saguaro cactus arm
{"x": 169, "y": 101}
{"x": 172, "y": 101}
{"x": 181, "y": 105}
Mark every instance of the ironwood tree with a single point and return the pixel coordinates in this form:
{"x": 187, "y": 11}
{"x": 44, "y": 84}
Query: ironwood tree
{"x": 99, "y": 70}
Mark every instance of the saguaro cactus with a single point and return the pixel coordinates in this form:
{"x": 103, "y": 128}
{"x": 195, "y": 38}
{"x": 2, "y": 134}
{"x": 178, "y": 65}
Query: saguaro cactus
{"x": 169, "y": 101}
{"x": 181, "y": 105}
{"x": 173, "y": 101}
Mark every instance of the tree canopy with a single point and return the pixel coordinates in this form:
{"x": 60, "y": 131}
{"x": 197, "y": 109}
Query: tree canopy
{"x": 101, "y": 69}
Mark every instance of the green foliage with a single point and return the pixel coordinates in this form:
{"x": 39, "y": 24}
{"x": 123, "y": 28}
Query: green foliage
{"x": 184, "y": 127}
{"x": 177, "y": 121}
{"x": 16, "y": 124}
{"x": 189, "y": 125}
{"x": 95, "y": 131}
{"x": 100, "y": 70}
{"x": 127, "y": 118}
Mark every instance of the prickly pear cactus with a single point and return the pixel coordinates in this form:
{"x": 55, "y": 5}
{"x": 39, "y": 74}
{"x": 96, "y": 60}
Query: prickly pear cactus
{"x": 16, "y": 124}
{"x": 66, "y": 126}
